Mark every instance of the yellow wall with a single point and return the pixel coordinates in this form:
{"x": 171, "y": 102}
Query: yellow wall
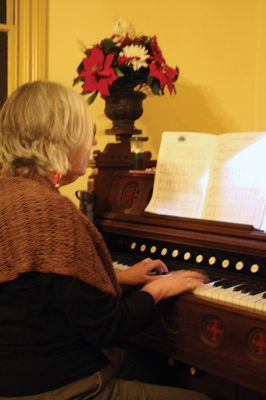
{"x": 219, "y": 46}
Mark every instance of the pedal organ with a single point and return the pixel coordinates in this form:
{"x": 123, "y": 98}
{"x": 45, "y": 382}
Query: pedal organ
{"x": 218, "y": 332}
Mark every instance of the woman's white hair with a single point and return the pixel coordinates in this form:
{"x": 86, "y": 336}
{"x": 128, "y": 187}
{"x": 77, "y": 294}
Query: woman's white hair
{"x": 41, "y": 123}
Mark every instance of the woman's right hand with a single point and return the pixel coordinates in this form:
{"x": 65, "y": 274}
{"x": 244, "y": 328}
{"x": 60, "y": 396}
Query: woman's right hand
{"x": 175, "y": 283}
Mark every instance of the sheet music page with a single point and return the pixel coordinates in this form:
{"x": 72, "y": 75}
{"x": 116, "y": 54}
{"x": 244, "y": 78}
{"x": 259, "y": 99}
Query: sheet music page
{"x": 182, "y": 173}
{"x": 237, "y": 184}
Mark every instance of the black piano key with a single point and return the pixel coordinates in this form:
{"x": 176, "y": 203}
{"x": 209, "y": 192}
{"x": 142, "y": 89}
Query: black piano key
{"x": 127, "y": 259}
{"x": 219, "y": 283}
{"x": 228, "y": 283}
{"x": 254, "y": 288}
{"x": 240, "y": 288}
{"x": 258, "y": 289}
{"x": 213, "y": 278}
{"x": 247, "y": 288}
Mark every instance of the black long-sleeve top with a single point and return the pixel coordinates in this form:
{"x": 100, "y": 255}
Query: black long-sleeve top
{"x": 52, "y": 327}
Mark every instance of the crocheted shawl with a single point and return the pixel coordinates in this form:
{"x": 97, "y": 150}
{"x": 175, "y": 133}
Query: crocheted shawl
{"x": 42, "y": 230}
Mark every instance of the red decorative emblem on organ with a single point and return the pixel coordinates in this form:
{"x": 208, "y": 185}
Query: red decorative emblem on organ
{"x": 257, "y": 342}
{"x": 212, "y": 330}
{"x": 129, "y": 194}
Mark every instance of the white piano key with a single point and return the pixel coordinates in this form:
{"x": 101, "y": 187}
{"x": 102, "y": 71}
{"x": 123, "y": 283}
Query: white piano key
{"x": 228, "y": 293}
{"x": 261, "y": 305}
{"x": 231, "y": 296}
{"x": 120, "y": 266}
{"x": 250, "y": 301}
{"x": 224, "y": 293}
{"x": 236, "y": 300}
{"x": 220, "y": 293}
{"x": 205, "y": 290}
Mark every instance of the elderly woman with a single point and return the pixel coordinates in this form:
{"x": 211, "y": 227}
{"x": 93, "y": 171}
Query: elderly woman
{"x": 60, "y": 298}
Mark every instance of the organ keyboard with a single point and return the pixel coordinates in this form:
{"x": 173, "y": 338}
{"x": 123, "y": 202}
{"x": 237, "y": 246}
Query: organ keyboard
{"x": 239, "y": 294}
{"x": 220, "y": 329}
{"x": 231, "y": 291}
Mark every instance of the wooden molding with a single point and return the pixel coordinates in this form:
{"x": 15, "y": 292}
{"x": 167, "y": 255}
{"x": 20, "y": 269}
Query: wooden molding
{"x": 27, "y": 41}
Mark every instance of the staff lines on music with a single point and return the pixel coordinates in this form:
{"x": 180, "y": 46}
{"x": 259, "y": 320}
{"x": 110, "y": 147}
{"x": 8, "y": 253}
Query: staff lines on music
{"x": 201, "y": 175}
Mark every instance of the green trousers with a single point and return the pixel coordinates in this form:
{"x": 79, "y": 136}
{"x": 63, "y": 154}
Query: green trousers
{"x": 103, "y": 385}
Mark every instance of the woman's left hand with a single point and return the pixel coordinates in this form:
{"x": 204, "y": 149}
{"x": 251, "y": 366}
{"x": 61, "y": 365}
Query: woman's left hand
{"x": 141, "y": 273}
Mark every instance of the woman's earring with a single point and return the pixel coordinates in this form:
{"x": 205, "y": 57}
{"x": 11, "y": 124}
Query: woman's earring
{"x": 57, "y": 179}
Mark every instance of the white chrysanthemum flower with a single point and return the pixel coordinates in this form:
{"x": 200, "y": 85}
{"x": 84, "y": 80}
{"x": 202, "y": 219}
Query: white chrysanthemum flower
{"x": 121, "y": 28}
{"x": 136, "y": 55}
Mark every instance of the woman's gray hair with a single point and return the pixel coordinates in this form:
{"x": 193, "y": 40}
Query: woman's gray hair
{"x": 41, "y": 123}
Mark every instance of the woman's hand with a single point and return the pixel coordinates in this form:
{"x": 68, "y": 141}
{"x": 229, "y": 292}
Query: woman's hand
{"x": 142, "y": 272}
{"x": 175, "y": 283}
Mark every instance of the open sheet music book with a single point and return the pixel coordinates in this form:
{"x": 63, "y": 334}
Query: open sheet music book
{"x": 214, "y": 177}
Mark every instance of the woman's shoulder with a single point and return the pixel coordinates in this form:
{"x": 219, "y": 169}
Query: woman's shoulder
{"x": 38, "y": 193}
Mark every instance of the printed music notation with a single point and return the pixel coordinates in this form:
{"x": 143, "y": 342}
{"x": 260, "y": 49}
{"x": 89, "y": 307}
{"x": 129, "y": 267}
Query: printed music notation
{"x": 216, "y": 177}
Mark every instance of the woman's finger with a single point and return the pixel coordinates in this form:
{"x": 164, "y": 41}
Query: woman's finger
{"x": 157, "y": 265}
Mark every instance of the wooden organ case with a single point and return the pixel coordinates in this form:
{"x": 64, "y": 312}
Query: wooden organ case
{"x": 221, "y": 345}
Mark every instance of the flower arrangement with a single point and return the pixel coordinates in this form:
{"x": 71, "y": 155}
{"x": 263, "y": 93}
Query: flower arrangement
{"x": 125, "y": 60}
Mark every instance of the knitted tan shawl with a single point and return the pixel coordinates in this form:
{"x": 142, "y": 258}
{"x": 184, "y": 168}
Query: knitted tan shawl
{"x": 42, "y": 230}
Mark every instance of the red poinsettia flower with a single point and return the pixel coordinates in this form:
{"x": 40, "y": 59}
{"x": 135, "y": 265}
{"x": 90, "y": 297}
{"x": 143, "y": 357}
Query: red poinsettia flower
{"x": 98, "y": 73}
{"x": 157, "y": 55}
{"x": 122, "y": 60}
{"x": 165, "y": 74}
{"x": 126, "y": 41}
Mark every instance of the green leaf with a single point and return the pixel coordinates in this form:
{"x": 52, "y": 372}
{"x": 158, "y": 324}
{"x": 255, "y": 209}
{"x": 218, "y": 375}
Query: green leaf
{"x": 87, "y": 52}
{"x": 76, "y": 80}
{"x": 91, "y": 98}
{"x": 107, "y": 46}
{"x": 118, "y": 72}
{"x": 155, "y": 87}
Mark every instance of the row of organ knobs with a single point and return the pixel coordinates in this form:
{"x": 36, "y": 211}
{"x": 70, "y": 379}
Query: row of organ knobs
{"x": 225, "y": 263}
